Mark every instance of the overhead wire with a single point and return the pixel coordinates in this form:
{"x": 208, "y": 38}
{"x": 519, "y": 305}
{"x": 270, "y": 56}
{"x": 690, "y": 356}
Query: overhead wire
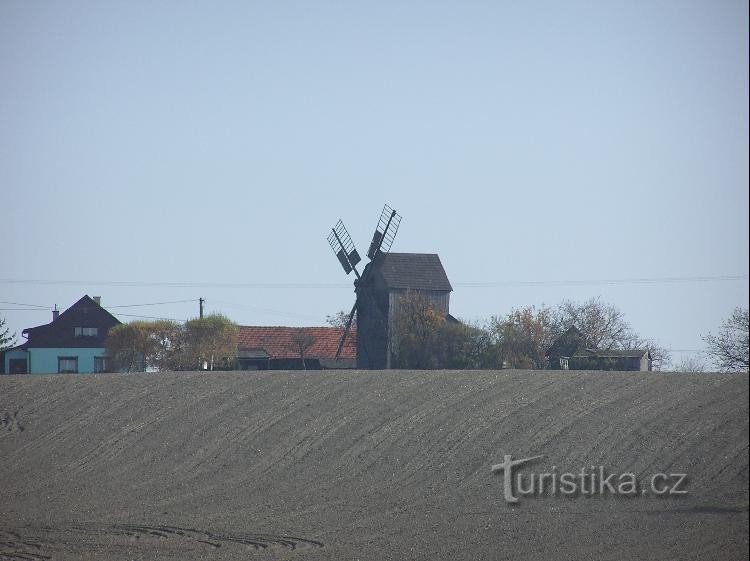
{"x": 22, "y": 304}
{"x": 324, "y": 285}
{"x": 154, "y": 303}
{"x": 147, "y": 317}
{"x": 266, "y": 310}
{"x": 588, "y": 282}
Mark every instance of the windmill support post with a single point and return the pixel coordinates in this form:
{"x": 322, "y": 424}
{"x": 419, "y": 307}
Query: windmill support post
{"x": 346, "y": 330}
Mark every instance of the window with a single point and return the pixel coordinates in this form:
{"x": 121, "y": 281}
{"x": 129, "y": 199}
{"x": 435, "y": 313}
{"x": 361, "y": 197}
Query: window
{"x": 86, "y": 331}
{"x": 17, "y": 366}
{"x": 100, "y": 364}
{"x": 67, "y": 364}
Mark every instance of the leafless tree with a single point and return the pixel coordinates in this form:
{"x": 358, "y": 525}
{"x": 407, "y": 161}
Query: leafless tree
{"x": 660, "y": 357}
{"x": 729, "y": 347}
{"x": 603, "y": 325}
{"x": 340, "y": 319}
{"x": 691, "y": 364}
{"x": 301, "y": 341}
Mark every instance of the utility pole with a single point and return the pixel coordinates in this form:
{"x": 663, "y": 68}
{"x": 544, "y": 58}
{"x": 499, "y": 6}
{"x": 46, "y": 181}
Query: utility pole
{"x": 200, "y": 302}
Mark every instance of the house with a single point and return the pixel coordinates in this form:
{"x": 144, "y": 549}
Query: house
{"x": 611, "y": 359}
{"x": 384, "y": 283}
{"x": 72, "y": 343}
{"x": 283, "y": 348}
{"x": 571, "y": 351}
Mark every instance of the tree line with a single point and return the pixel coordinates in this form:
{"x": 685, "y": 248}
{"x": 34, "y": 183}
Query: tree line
{"x": 424, "y": 338}
{"x": 208, "y": 343}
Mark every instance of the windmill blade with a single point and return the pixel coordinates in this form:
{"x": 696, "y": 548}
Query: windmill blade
{"x": 343, "y": 247}
{"x": 346, "y": 330}
{"x": 385, "y": 232}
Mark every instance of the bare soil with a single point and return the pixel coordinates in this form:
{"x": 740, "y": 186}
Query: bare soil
{"x": 366, "y": 465}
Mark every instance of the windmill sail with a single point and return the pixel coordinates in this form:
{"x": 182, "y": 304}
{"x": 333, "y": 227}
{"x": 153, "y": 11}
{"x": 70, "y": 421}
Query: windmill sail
{"x": 385, "y": 232}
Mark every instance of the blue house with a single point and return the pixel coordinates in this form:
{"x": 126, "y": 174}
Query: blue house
{"x": 72, "y": 343}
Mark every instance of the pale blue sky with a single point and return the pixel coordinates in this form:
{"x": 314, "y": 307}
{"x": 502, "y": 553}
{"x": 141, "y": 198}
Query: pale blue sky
{"x": 218, "y": 142}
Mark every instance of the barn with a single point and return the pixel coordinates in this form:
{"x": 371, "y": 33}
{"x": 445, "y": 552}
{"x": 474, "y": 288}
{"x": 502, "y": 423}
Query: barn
{"x": 294, "y": 348}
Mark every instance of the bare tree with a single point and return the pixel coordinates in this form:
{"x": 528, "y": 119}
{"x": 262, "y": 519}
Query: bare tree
{"x": 603, "y": 325}
{"x": 729, "y": 347}
{"x": 340, "y": 319}
{"x": 301, "y": 341}
{"x": 660, "y": 356}
{"x": 691, "y": 364}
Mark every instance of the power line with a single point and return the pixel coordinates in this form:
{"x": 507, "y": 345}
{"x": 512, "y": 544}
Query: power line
{"x": 168, "y": 284}
{"x": 266, "y": 310}
{"x": 30, "y": 305}
{"x": 645, "y": 280}
{"x": 147, "y": 317}
{"x": 478, "y": 284}
{"x": 40, "y": 308}
{"x": 153, "y": 303}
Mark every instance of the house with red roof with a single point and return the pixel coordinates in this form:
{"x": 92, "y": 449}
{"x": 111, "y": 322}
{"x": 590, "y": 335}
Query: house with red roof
{"x": 294, "y": 348}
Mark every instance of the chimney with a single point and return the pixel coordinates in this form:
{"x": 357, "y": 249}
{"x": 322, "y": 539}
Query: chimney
{"x": 55, "y": 313}
{"x": 98, "y": 300}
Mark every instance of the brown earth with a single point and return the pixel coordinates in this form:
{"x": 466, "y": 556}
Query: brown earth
{"x": 367, "y": 465}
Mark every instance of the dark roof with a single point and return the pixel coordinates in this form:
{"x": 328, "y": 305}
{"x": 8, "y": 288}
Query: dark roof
{"x": 61, "y": 332}
{"x": 612, "y": 353}
{"x": 418, "y": 271}
{"x": 278, "y": 342}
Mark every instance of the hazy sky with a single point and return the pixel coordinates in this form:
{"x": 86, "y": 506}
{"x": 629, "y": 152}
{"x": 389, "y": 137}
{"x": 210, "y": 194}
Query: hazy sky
{"x": 218, "y": 142}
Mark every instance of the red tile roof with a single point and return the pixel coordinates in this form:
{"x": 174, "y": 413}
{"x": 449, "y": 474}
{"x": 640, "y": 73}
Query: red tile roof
{"x": 278, "y": 342}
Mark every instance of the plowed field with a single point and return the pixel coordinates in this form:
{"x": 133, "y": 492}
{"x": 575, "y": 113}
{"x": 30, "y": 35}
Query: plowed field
{"x": 367, "y": 465}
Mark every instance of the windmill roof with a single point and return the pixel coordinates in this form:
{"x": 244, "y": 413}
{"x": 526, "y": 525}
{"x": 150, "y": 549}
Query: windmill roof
{"x": 278, "y": 342}
{"x": 419, "y": 271}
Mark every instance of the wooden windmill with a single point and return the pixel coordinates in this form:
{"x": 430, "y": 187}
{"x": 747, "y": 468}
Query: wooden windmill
{"x": 384, "y": 282}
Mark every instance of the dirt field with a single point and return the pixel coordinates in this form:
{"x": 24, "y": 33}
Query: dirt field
{"x": 366, "y": 465}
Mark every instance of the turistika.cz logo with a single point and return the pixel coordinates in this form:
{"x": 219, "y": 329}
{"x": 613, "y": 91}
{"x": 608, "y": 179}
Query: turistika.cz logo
{"x": 593, "y": 480}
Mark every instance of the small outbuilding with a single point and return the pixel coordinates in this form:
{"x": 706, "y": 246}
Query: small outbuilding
{"x": 571, "y": 351}
{"x": 611, "y": 359}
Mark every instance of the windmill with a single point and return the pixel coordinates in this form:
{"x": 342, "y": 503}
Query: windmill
{"x": 343, "y": 247}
